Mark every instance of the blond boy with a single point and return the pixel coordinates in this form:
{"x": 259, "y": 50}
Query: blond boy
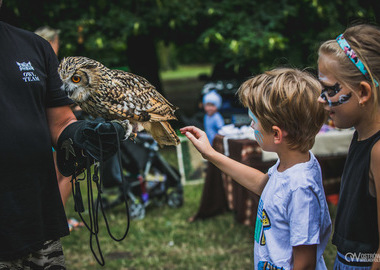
{"x": 293, "y": 223}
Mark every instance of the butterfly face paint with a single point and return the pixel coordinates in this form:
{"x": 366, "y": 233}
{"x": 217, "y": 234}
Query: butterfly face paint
{"x": 258, "y": 135}
{"x": 331, "y": 91}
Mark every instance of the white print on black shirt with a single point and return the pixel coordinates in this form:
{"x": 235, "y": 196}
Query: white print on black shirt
{"x": 28, "y": 75}
{"x": 25, "y": 66}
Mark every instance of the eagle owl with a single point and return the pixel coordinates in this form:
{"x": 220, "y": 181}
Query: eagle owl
{"x": 118, "y": 95}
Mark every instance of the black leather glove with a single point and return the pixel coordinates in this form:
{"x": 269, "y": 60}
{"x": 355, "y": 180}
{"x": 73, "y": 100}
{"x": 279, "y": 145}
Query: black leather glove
{"x": 96, "y": 139}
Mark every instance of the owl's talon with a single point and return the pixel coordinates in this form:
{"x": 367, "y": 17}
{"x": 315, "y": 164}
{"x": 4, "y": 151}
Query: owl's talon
{"x": 127, "y": 127}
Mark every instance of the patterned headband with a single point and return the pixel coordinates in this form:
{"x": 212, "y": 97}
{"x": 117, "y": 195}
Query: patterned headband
{"x": 353, "y": 57}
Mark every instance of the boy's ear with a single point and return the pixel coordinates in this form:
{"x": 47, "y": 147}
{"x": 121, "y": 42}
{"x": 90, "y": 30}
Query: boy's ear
{"x": 278, "y": 134}
{"x": 365, "y": 92}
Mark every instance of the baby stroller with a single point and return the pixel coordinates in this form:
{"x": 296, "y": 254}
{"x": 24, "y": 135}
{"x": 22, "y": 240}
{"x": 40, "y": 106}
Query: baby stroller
{"x": 148, "y": 178}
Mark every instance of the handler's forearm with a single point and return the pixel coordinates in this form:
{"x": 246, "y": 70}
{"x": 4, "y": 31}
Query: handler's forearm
{"x": 253, "y": 179}
{"x": 59, "y": 118}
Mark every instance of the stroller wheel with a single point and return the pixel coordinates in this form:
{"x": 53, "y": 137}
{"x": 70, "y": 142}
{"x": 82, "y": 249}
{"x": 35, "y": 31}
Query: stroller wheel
{"x": 136, "y": 210}
{"x": 175, "y": 199}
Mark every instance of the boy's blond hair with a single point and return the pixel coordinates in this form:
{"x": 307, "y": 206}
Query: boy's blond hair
{"x": 286, "y": 98}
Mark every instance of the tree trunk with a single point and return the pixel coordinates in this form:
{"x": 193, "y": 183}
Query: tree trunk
{"x": 142, "y": 59}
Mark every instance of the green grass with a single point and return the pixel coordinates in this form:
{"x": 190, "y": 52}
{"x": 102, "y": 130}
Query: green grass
{"x": 186, "y": 72}
{"x": 164, "y": 239}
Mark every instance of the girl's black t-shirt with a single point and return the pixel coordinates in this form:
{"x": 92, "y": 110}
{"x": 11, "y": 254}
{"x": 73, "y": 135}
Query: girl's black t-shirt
{"x": 31, "y": 209}
{"x": 356, "y": 227}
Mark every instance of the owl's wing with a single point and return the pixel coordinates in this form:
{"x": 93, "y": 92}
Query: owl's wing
{"x": 133, "y": 97}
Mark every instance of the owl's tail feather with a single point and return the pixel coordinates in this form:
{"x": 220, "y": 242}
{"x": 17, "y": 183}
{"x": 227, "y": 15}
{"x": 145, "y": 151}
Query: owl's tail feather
{"x": 163, "y": 133}
{"x": 157, "y": 117}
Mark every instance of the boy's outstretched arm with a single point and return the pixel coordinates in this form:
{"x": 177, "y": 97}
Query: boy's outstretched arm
{"x": 251, "y": 178}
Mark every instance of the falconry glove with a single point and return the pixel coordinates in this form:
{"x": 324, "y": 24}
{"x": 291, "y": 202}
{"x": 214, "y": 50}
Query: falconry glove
{"x": 97, "y": 140}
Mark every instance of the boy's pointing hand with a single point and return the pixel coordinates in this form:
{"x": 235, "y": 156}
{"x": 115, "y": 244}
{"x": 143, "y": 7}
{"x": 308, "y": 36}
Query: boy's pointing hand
{"x": 199, "y": 139}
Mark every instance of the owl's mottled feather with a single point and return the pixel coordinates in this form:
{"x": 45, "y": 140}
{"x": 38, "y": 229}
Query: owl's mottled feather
{"x": 118, "y": 95}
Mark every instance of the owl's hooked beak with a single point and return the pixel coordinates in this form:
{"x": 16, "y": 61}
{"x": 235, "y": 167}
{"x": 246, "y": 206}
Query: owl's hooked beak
{"x": 67, "y": 90}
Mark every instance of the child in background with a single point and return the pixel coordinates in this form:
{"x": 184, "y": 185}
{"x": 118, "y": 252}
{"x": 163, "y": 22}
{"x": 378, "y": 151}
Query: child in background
{"x": 293, "y": 222}
{"x": 212, "y": 120}
{"x": 349, "y": 69}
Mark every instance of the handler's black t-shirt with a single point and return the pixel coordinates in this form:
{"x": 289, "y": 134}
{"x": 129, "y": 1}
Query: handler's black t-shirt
{"x": 31, "y": 210}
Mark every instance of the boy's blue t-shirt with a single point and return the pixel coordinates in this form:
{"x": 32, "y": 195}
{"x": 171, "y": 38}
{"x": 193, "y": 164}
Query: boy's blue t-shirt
{"x": 212, "y": 124}
{"x": 292, "y": 211}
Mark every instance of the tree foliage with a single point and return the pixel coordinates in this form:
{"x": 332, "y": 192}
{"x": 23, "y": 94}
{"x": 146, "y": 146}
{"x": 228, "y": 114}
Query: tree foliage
{"x": 241, "y": 36}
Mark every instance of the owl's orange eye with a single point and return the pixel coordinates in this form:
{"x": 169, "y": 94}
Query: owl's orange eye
{"x": 75, "y": 79}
